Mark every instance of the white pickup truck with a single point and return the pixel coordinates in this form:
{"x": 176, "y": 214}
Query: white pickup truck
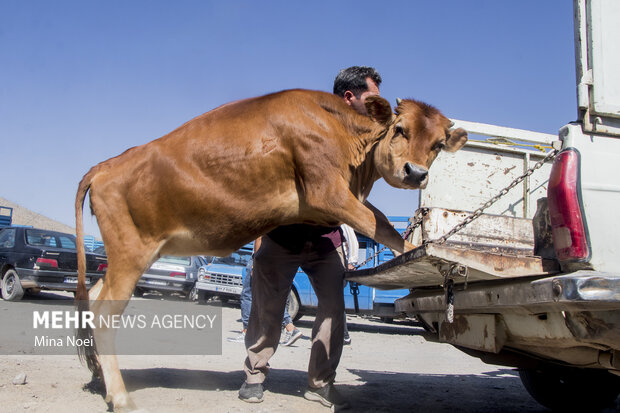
{"x": 534, "y": 281}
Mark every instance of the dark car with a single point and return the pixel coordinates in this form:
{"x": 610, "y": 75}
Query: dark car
{"x": 34, "y": 259}
{"x": 171, "y": 274}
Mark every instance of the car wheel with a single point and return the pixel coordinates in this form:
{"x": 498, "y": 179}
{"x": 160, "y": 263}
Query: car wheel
{"x": 192, "y": 295}
{"x": 294, "y": 306}
{"x": 571, "y": 389}
{"x": 138, "y": 292}
{"x": 11, "y": 286}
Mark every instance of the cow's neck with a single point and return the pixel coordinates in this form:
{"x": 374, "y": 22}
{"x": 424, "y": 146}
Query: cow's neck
{"x": 364, "y": 171}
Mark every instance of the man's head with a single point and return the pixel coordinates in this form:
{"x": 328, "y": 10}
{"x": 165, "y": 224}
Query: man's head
{"x": 355, "y": 84}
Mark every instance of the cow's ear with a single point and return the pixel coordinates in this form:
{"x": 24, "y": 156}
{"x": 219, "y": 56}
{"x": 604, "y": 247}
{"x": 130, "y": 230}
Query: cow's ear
{"x": 456, "y": 140}
{"x": 379, "y": 109}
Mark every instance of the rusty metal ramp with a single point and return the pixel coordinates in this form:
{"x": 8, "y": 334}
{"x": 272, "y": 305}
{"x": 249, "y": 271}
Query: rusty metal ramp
{"x": 427, "y": 265}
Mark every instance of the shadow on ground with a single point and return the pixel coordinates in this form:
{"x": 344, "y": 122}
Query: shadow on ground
{"x": 495, "y": 391}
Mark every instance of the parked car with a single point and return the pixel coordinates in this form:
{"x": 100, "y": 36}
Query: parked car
{"x": 171, "y": 274}
{"x": 33, "y": 259}
{"x": 223, "y": 277}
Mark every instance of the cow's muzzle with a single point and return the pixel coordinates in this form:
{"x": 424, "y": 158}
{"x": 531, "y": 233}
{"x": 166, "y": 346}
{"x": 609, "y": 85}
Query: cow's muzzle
{"x": 415, "y": 175}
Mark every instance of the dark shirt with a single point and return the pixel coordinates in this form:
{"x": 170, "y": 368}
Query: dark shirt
{"x": 295, "y": 237}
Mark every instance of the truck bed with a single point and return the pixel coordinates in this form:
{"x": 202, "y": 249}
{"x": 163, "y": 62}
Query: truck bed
{"x": 491, "y": 247}
{"x": 423, "y": 266}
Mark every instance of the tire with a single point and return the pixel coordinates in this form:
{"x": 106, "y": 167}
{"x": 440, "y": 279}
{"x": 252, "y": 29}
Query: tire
{"x": 138, "y": 292}
{"x": 192, "y": 295}
{"x": 11, "y": 286}
{"x": 294, "y": 306}
{"x": 569, "y": 389}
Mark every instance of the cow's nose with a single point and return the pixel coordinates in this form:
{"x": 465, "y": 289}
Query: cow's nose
{"x": 414, "y": 174}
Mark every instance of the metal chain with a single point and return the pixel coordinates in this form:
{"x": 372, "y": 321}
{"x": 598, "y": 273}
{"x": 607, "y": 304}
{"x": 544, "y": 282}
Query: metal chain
{"x": 454, "y": 270}
{"x": 422, "y": 212}
{"x": 476, "y": 214}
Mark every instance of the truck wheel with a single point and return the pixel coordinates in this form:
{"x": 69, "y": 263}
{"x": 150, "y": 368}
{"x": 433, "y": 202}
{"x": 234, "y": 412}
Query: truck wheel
{"x": 571, "y": 389}
{"x": 293, "y": 306}
{"x": 138, "y": 292}
{"x": 192, "y": 295}
{"x": 11, "y": 286}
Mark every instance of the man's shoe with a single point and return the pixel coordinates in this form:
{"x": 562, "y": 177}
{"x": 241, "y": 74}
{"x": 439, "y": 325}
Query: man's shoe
{"x": 290, "y": 337}
{"x": 251, "y": 393}
{"x": 239, "y": 339}
{"x": 347, "y": 340}
{"x": 328, "y": 396}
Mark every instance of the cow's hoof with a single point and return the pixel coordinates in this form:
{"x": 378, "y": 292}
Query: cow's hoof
{"x": 123, "y": 404}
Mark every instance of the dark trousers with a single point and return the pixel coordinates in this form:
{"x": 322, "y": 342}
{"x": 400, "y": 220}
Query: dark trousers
{"x": 274, "y": 270}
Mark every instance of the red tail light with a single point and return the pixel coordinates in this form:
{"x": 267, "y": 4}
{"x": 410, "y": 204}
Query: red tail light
{"x": 46, "y": 262}
{"x": 570, "y": 236}
{"x": 177, "y": 274}
{"x": 102, "y": 267}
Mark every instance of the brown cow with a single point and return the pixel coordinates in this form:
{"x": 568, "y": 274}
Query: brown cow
{"x": 227, "y": 177}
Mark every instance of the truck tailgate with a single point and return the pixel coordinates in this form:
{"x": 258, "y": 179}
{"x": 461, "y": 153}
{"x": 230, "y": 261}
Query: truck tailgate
{"x": 424, "y": 265}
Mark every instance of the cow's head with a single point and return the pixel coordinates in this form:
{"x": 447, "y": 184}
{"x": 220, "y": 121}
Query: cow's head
{"x": 414, "y": 138}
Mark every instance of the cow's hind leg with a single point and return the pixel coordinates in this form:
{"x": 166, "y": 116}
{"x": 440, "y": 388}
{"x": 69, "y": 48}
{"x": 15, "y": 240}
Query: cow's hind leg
{"x": 122, "y": 276}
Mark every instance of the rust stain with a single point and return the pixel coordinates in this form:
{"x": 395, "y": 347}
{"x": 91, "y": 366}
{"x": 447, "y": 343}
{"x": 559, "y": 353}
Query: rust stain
{"x": 450, "y": 331}
{"x": 507, "y": 170}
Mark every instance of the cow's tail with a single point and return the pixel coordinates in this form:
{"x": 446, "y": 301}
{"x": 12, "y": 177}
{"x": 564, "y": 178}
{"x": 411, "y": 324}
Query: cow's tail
{"x": 85, "y": 353}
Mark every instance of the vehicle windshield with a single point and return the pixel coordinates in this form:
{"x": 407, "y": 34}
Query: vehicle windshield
{"x": 168, "y": 259}
{"x": 238, "y": 258}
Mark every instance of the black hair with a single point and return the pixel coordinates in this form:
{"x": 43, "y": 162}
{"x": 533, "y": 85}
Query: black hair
{"x": 354, "y": 79}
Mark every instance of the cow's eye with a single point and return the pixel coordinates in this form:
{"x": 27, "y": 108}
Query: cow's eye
{"x": 439, "y": 146}
{"x": 398, "y": 130}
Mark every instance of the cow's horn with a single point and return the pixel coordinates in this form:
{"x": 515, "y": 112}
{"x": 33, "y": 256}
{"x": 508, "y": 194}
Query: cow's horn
{"x": 451, "y": 124}
{"x": 398, "y": 100}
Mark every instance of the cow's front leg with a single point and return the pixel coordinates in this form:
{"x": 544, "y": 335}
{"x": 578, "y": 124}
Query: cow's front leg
{"x": 365, "y": 219}
{"x": 381, "y": 217}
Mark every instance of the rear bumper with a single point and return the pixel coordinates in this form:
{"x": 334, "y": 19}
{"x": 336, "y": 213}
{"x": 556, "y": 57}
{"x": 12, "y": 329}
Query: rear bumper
{"x": 573, "y": 319}
{"x": 216, "y": 289}
{"x": 172, "y": 285}
{"x": 578, "y": 291}
{"x": 53, "y": 280}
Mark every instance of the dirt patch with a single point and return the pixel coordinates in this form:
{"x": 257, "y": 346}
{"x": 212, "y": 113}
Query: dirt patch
{"x": 388, "y": 367}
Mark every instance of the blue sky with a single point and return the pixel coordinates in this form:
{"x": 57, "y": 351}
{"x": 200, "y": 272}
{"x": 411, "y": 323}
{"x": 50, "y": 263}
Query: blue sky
{"x": 81, "y": 81}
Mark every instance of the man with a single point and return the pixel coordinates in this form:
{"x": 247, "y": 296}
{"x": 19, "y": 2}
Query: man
{"x": 317, "y": 251}
{"x": 292, "y": 333}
